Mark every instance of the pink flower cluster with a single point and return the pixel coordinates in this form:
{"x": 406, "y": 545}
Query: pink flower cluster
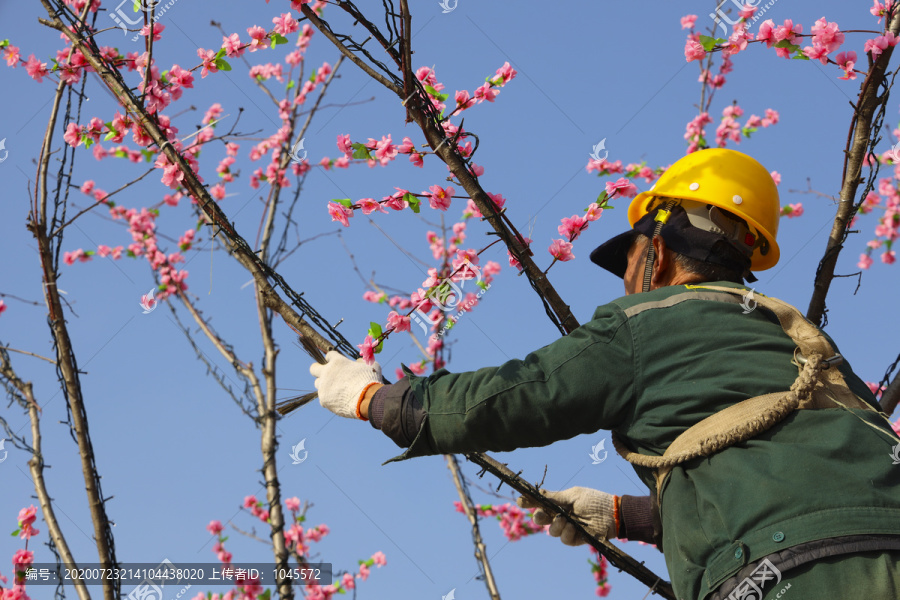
{"x": 600, "y": 571}
{"x": 27, "y": 517}
{"x": 888, "y": 228}
{"x": 515, "y": 522}
{"x": 792, "y": 210}
{"x": 296, "y": 538}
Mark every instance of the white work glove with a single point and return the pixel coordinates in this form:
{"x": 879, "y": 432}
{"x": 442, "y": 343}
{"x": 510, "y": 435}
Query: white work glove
{"x": 341, "y": 382}
{"x": 595, "y": 510}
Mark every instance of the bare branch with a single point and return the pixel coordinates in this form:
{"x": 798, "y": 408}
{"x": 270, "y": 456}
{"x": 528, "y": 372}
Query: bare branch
{"x": 472, "y": 515}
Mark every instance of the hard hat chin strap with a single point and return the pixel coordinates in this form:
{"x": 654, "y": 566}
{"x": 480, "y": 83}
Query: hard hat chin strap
{"x": 662, "y": 215}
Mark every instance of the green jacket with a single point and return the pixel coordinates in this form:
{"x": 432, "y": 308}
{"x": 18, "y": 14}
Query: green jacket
{"x": 648, "y": 366}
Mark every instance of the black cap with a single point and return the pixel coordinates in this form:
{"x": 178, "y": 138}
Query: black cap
{"x": 680, "y": 236}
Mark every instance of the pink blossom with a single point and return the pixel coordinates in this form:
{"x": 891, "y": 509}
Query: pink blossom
{"x": 215, "y": 527}
{"x": 505, "y": 74}
{"x": 463, "y": 101}
{"x": 688, "y": 21}
{"x": 776, "y": 177}
{"x": 747, "y": 11}
{"x": 339, "y": 213}
{"x": 2, "y": 306}
{"x": 367, "y": 350}
{"x": 259, "y": 39}
{"x": 232, "y": 45}
{"x": 157, "y": 31}
{"x": 379, "y": 558}
{"x": 865, "y": 261}
{"x": 889, "y": 257}
{"x": 285, "y": 24}
{"x": 846, "y": 61}
{"x": 27, "y": 516}
{"x": 526, "y": 241}
{"x": 879, "y": 10}
{"x": 766, "y": 33}
{"x": 12, "y": 56}
{"x": 344, "y": 144}
{"x": 593, "y": 212}
{"x": 209, "y": 62}
{"x": 368, "y": 205}
{"x": 385, "y": 150}
{"x": 572, "y": 227}
{"x": 622, "y": 187}
{"x": 561, "y": 250}
{"x": 439, "y": 198}
{"x": 293, "y": 504}
{"x": 880, "y": 44}
{"x": 485, "y": 92}
{"x": 792, "y": 210}
{"x": 72, "y": 135}
{"x": 36, "y": 69}
{"x": 363, "y": 568}
{"x": 250, "y": 501}
{"x": 693, "y": 50}
{"x": 397, "y": 322}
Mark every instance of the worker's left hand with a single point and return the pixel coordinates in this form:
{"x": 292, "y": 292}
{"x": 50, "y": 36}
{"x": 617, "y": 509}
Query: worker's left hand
{"x": 341, "y": 382}
{"x": 595, "y": 509}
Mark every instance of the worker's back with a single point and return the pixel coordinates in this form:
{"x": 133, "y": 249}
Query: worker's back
{"x": 818, "y": 474}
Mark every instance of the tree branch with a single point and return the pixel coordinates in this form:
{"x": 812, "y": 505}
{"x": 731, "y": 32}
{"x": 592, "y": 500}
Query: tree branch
{"x": 858, "y": 146}
{"x": 472, "y": 515}
{"x": 36, "y": 466}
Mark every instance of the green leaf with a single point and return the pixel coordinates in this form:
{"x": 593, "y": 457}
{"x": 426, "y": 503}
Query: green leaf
{"x": 800, "y": 56}
{"x": 130, "y": 254}
{"x": 137, "y": 5}
{"x": 312, "y": 78}
{"x": 344, "y": 202}
{"x": 88, "y": 140}
{"x": 482, "y": 284}
{"x": 291, "y": 84}
{"x": 220, "y": 53}
{"x": 154, "y": 212}
{"x": 709, "y": 43}
{"x": 360, "y": 151}
{"x": 265, "y": 595}
{"x": 436, "y": 93}
{"x": 375, "y": 331}
{"x": 222, "y": 64}
{"x": 413, "y": 202}
{"x": 148, "y": 156}
{"x": 277, "y": 38}
{"x": 4, "y": 43}
{"x": 15, "y": 533}
{"x": 748, "y": 130}
{"x": 112, "y": 133}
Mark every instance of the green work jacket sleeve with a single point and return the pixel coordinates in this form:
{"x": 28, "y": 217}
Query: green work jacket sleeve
{"x": 578, "y": 384}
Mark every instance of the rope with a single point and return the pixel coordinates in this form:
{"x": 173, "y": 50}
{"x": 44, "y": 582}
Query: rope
{"x": 801, "y": 389}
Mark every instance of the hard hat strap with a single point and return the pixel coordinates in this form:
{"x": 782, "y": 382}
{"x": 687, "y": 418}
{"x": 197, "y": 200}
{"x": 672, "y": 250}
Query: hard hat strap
{"x": 662, "y": 215}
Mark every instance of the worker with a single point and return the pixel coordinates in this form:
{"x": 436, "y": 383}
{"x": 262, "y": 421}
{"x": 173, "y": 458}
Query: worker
{"x": 766, "y": 457}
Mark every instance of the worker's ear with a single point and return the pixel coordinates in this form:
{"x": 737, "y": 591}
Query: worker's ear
{"x": 663, "y": 265}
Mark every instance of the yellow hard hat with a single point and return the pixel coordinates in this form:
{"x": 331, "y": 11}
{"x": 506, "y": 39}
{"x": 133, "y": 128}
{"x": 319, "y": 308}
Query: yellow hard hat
{"x": 729, "y": 180}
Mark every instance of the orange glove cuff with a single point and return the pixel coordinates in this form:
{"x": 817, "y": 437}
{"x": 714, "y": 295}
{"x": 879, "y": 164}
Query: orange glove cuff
{"x": 359, "y": 402}
{"x": 616, "y": 514}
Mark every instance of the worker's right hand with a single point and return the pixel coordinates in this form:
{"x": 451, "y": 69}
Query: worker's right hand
{"x": 595, "y": 509}
{"x": 342, "y": 382}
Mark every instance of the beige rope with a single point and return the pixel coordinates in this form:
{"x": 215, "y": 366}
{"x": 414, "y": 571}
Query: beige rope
{"x": 707, "y": 445}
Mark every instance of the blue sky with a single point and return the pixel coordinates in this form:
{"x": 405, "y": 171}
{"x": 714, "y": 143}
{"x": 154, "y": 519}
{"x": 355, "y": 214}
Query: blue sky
{"x": 175, "y": 452}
